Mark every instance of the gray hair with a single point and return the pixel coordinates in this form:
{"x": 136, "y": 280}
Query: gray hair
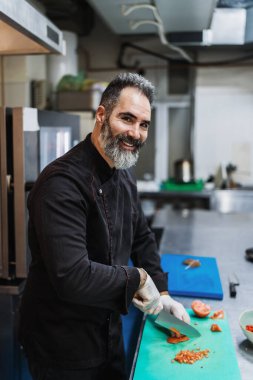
{"x": 111, "y": 94}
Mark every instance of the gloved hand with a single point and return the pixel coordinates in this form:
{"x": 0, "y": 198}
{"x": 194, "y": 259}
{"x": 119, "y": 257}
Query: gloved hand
{"x": 147, "y": 297}
{"x": 175, "y": 308}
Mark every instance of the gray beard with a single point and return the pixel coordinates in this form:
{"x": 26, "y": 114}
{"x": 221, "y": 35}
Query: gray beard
{"x": 122, "y": 159}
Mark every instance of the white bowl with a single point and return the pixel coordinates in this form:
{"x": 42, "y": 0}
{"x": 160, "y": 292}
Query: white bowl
{"x": 246, "y": 318}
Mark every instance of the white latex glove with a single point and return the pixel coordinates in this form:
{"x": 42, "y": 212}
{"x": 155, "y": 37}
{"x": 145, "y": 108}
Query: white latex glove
{"x": 147, "y": 298}
{"x": 175, "y": 308}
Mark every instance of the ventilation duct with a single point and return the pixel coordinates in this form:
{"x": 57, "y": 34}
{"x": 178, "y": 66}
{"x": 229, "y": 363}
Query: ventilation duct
{"x": 230, "y": 26}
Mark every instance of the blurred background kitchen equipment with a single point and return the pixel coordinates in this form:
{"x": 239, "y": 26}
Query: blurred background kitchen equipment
{"x": 230, "y": 169}
{"x": 183, "y": 171}
{"x": 224, "y": 177}
{"x": 249, "y": 254}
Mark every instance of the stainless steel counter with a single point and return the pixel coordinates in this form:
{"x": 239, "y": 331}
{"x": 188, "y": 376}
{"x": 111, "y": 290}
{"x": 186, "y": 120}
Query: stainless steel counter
{"x": 226, "y": 201}
{"x": 236, "y": 200}
{"x": 224, "y": 236}
{"x": 179, "y": 199}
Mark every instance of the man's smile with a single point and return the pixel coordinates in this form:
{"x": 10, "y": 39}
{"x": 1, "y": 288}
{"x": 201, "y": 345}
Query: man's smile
{"x": 127, "y": 146}
{"x": 128, "y": 143}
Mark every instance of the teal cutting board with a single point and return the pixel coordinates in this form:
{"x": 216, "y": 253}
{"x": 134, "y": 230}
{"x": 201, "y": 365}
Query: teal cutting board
{"x": 154, "y": 361}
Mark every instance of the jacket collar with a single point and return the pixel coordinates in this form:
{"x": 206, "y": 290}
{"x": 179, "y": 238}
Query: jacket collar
{"x": 104, "y": 171}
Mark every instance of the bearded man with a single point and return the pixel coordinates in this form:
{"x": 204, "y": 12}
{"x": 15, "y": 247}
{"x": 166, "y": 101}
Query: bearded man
{"x": 85, "y": 222}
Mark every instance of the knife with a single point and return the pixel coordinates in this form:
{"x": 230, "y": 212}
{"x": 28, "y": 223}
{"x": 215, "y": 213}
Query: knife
{"x": 168, "y": 320}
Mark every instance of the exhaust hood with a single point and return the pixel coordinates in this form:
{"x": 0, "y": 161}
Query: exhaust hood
{"x": 24, "y": 30}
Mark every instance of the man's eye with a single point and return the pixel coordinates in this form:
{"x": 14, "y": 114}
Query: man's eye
{"x": 145, "y": 125}
{"x": 127, "y": 118}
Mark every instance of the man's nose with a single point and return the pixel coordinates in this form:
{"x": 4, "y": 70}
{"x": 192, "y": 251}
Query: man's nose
{"x": 134, "y": 131}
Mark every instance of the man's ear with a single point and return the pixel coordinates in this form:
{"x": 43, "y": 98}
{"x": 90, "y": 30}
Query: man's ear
{"x": 100, "y": 114}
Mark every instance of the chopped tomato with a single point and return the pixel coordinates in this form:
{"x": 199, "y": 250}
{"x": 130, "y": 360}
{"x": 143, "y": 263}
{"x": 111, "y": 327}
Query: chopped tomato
{"x": 219, "y": 314}
{"x": 175, "y": 339}
{"x": 175, "y": 332}
{"x": 200, "y": 308}
{"x": 249, "y": 328}
{"x": 215, "y": 328}
{"x": 191, "y": 356}
{"x": 176, "y": 336}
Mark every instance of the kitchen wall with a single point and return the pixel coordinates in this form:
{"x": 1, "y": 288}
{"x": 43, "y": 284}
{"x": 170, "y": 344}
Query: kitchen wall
{"x": 19, "y": 71}
{"x": 223, "y": 131}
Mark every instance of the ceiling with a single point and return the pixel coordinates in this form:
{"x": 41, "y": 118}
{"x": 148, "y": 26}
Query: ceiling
{"x": 176, "y": 15}
{"x": 191, "y": 22}
{"x": 143, "y": 16}
{"x": 178, "y": 23}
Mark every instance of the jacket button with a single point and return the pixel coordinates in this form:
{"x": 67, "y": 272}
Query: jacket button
{"x": 100, "y": 191}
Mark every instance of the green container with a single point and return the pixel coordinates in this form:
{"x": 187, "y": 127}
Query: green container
{"x": 171, "y": 185}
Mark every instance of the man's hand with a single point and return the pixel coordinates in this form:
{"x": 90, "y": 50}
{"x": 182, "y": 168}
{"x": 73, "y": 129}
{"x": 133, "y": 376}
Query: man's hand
{"x": 147, "y": 297}
{"x": 174, "y": 308}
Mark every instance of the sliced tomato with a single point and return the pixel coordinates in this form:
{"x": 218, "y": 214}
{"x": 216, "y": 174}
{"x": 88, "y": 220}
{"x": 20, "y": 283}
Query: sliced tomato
{"x": 249, "y": 328}
{"x": 175, "y": 339}
{"x": 219, "y": 314}
{"x": 175, "y": 332}
{"x": 200, "y": 308}
{"x": 176, "y": 336}
{"x": 215, "y": 328}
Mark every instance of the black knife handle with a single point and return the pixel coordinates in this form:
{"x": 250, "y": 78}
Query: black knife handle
{"x": 232, "y": 289}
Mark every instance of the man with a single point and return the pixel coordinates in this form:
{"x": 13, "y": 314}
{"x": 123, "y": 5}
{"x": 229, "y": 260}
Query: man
{"x": 85, "y": 222}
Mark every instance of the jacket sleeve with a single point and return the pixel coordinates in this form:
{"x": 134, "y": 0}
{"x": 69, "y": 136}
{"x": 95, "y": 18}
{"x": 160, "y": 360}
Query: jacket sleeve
{"x": 58, "y": 214}
{"x": 145, "y": 252}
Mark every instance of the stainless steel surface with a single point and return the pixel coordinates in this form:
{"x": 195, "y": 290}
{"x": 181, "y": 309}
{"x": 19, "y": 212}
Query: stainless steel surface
{"x": 24, "y": 30}
{"x": 228, "y": 201}
{"x": 224, "y": 201}
{"x": 224, "y": 236}
{"x": 179, "y": 199}
{"x": 168, "y": 321}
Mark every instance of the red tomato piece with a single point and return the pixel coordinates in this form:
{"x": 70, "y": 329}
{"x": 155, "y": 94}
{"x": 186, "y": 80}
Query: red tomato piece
{"x": 200, "y": 308}
{"x": 176, "y": 336}
{"x": 175, "y": 339}
{"x": 215, "y": 328}
{"x": 219, "y": 314}
{"x": 249, "y": 328}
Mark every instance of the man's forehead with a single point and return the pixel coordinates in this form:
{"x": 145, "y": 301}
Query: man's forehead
{"x": 130, "y": 91}
{"x": 134, "y": 98}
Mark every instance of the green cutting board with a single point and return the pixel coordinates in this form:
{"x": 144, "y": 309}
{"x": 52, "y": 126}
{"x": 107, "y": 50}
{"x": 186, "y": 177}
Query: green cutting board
{"x": 154, "y": 361}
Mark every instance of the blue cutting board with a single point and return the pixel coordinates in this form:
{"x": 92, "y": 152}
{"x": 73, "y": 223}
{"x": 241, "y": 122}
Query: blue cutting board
{"x": 202, "y": 282}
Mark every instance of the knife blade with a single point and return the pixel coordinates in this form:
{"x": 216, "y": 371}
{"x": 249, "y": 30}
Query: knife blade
{"x": 168, "y": 320}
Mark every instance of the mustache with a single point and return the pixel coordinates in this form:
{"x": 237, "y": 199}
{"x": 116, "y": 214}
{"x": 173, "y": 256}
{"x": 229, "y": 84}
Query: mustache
{"x": 130, "y": 140}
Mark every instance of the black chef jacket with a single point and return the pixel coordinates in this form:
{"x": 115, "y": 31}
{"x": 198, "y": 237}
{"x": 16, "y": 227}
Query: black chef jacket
{"x": 85, "y": 222}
